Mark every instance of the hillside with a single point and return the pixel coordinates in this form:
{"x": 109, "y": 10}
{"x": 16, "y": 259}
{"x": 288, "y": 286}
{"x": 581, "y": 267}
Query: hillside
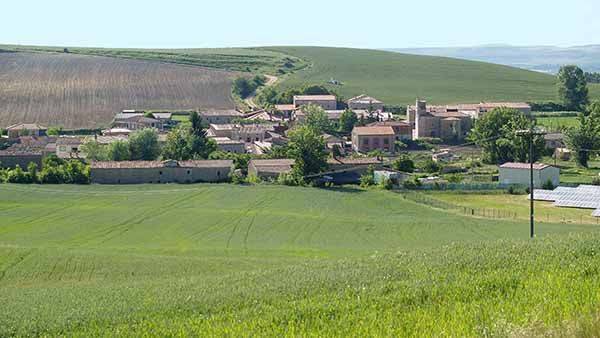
{"x": 399, "y": 78}
{"x": 280, "y": 261}
{"x": 78, "y": 91}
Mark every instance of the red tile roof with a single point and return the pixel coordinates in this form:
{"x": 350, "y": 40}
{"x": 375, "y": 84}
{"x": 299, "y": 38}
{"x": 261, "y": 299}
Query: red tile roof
{"x": 376, "y": 130}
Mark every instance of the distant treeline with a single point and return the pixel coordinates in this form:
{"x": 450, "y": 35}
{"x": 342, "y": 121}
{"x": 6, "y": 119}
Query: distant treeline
{"x": 592, "y": 77}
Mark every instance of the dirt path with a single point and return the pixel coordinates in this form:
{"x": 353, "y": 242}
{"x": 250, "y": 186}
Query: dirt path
{"x": 271, "y": 80}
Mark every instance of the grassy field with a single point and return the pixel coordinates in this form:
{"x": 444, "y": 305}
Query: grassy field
{"x": 517, "y": 204}
{"x": 280, "y": 261}
{"x": 78, "y": 91}
{"x": 557, "y": 123}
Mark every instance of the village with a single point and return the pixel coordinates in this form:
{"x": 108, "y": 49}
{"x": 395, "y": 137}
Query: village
{"x": 379, "y": 147}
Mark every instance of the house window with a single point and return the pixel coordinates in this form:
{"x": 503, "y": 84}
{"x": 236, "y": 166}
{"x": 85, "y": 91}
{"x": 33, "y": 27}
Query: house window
{"x": 386, "y": 141}
{"x": 160, "y": 172}
{"x": 366, "y": 142}
{"x": 218, "y": 173}
{"x": 376, "y": 142}
{"x": 189, "y": 172}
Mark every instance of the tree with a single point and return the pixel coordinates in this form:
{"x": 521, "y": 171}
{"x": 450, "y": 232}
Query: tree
{"x": 143, "y": 145}
{"x": 316, "y": 118}
{"x": 496, "y": 133}
{"x": 307, "y": 148}
{"x": 184, "y": 144}
{"x": 348, "y": 120}
{"x": 119, "y": 151}
{"x": 178, "y": 146}
{"x": 241, "y": 87}
{"x": 368, "y": 178}
{"x": 76, "y": 172}
{"x": 586, "y": 135}
{"x": 196, "y": 122}
{"x": 572, "y": 87}
{"x": 94, "y": 151}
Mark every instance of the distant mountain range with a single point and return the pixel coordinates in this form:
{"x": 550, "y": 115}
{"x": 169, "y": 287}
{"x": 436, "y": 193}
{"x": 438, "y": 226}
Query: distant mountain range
{"x": 545, "y": 59}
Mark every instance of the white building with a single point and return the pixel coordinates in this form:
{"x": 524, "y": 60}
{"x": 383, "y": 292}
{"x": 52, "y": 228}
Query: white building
{"x": 519, "y": 174}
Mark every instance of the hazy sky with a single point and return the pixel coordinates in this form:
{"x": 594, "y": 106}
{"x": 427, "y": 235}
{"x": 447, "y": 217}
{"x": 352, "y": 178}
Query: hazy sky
{"x": 366, "y": 24}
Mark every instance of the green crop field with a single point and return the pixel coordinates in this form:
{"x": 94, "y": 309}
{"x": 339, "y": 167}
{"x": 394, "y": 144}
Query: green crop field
{"x": 223, "y": 260}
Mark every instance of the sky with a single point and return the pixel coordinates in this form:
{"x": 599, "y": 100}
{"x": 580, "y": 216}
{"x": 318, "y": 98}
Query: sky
{"x": 350, "y": 23}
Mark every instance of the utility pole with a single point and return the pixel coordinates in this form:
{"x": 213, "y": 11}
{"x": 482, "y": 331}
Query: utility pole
{"x": 530, "y": 134}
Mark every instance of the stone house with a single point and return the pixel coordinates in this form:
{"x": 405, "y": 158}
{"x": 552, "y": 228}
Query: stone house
{"x": 241, "y": 132}
{"x": 139, "y": 172}
{"x": 230, "y": 146}
{"x": 69, "y": 147}
{"x": 327, "y": 102}
{"x": 364, "y": 102}
{"x": 402, "y": 129}
{"x": 366, "y": 139}
{"x": 25, "y": 129}
{"x": 225, "y": 116}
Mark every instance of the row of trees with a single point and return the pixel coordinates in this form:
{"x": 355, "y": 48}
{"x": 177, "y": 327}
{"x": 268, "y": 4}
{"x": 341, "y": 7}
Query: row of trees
{"x": 54, "y": 171}
{"x": 244, "y": 87}
{"x": 183, "y": 143}
{"x": 592, "y": 77}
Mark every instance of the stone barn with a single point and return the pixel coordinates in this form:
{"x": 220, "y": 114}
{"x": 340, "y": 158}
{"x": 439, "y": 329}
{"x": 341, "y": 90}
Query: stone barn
{"x": 138, "y": 172}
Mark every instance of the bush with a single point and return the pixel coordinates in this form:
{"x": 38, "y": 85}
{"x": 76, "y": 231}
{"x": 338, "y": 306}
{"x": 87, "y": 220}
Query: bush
{"x": 386, "y": 184}
{"x": 287, "y": 179}
{"x": 548, "y": 185}
{"x": 368, "y": 179}
{"x": 236, "y": 177}
{"x": 430, "y": 166}
{"x": 404, "y": 163}
{"x": 17, "y": 175}
{"x": 596, "y": 180}
{"x": 454, "y": 178}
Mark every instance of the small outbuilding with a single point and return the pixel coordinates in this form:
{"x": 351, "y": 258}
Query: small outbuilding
{"x": 519, "y": 174}
{"x": 269, "y": 169}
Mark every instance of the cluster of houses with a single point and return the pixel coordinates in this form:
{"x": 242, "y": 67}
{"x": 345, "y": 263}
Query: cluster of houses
{"x": 256, "y": 133}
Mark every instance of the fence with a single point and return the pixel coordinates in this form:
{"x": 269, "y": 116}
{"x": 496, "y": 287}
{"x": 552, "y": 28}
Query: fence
{"x": 476, "y": 212}
{"x": 422, "y": 198}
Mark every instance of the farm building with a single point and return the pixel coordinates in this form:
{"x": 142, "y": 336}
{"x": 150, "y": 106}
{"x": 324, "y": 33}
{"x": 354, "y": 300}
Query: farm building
{"x": 395, "y": 176}
{"x": 366, "y": 139}
{"x": 138, "y": 172}
{"x": 327, "y": 102}
{"x": 365, "y": 102}
{"x": 225, "y": 116}
{"x": 519, "y": 174}
{"x": 25, "y": 129}
{"x": 269, "y": 169}
{"x": 334, "y": 115}
{"x": 230, "y": 146}
{"x": 349, "y": 170}
{"x": 582, "y": 197}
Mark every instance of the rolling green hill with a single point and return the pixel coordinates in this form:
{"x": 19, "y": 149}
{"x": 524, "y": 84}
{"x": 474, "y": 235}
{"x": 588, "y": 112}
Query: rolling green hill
{"x": 400, "y": 78}
{"x": 392, "y": 77}
{"x": 214, "y": 260}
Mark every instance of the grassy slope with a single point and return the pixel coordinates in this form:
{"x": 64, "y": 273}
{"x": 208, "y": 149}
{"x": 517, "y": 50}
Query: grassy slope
{"x": 400, "y": 78}
{"x": 220, "y": 259}
{"x": 232, "y": 59}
